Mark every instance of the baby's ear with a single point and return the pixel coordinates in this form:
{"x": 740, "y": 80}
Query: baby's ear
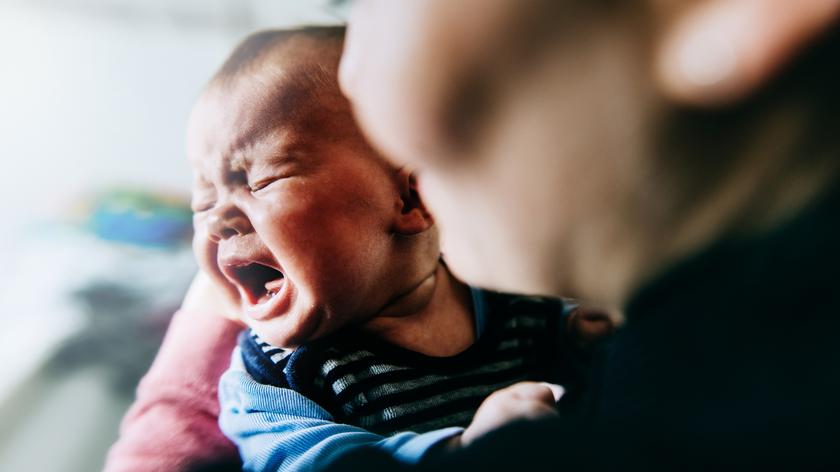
{"x": 413, "y": 217}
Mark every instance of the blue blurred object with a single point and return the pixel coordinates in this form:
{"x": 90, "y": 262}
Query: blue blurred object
{"x": 141, "y": 218}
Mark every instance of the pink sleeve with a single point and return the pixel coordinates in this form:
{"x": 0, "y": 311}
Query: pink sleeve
{"x": 172, "y": 425}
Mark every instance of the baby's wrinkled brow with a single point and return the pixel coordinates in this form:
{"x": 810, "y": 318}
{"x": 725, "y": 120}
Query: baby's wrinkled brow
{"x": 237, "y": 163}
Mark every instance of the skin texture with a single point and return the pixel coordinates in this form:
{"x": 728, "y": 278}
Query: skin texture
{"x": 285, "y": 179}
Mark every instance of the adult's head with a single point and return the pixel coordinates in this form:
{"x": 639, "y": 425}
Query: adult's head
{"x": 554, "y": 138}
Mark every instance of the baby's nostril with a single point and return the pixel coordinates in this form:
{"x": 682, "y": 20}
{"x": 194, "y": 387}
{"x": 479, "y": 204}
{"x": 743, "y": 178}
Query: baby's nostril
{"x": 228, "y": 233}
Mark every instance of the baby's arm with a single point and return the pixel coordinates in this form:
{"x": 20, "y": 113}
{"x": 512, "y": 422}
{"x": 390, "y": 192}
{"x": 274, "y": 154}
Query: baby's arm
{"x": 280, "y": 429}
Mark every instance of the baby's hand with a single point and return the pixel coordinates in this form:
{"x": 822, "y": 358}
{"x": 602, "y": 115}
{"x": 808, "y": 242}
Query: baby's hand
{"x": 521, "y": 401}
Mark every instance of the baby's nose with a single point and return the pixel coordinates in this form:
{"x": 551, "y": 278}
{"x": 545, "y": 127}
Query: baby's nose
{"x": 227, "y": 221}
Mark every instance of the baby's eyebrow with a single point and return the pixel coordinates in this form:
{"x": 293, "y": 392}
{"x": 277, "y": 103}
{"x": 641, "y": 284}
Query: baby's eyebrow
{"x": 282, "y": 156}
{"x": 275, "y": 148}
{"x": 238, "y": 162}
{"x": 270, "y": 162}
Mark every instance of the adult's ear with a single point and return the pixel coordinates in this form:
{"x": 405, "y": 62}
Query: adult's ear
{"x": 718, "y": 51}
{"x": 413, "y": 217}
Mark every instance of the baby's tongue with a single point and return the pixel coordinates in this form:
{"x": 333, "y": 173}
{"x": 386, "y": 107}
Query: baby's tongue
{"x": 274, "y": 285}
{"x": 271, "y": 289}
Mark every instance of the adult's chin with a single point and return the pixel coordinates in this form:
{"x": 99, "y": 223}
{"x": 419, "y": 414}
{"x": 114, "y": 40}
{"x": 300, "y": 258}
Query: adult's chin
{"x": 496, "y": 267}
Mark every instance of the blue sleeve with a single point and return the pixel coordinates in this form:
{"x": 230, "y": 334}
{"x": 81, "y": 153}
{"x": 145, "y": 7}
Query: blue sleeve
{"x": 278, "y": 429}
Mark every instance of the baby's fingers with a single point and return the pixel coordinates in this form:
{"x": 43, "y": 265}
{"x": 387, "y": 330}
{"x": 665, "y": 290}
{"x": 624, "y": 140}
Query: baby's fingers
{"x": 541, "y": 392}
{"x": 521, "y": 401}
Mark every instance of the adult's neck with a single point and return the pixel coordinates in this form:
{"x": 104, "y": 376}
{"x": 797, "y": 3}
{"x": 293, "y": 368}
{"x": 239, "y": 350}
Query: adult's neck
{"x": 434, "y": 318}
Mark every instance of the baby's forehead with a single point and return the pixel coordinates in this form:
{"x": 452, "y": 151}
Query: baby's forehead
{"x": 299, "y": 102}
{"x": 286, "y": 74}
{"x": 289, "y": 106}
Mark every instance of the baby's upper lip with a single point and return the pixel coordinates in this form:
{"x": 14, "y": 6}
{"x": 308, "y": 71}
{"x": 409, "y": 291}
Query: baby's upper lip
{"x": 241, "y": 259}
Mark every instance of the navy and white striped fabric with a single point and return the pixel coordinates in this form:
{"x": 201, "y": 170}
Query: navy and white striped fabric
{"x": 385, "y": 389}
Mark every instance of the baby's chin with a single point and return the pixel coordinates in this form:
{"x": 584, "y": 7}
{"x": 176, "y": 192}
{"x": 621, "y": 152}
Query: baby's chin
{"x": 288, "y": 332}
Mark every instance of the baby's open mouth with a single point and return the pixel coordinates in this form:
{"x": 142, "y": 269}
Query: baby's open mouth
{"x": 258, "y": 283}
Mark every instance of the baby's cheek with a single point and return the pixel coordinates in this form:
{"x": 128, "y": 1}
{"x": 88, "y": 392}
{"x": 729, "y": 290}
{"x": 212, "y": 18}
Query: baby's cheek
{"x": 205, "y": 252}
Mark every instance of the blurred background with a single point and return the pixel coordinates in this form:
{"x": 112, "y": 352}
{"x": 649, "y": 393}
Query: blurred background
{"x": 94, "y": 239}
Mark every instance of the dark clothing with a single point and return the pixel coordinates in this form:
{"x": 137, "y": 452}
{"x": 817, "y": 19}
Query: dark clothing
{"x": 730, "y": 359}
{"x": 385, "y": 389}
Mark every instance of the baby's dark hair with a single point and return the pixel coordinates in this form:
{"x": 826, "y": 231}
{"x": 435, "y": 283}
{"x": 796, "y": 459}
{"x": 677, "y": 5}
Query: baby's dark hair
{"x": 252, "y": 53}
{"x": 297, "y": 73}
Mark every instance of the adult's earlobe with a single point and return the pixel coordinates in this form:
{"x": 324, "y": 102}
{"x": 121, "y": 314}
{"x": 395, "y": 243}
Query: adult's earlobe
{"x": 719, "y": 51}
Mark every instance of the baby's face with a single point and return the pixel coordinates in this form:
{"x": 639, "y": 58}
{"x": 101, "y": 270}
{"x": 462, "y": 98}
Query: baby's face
{"x": 293, "y": 210}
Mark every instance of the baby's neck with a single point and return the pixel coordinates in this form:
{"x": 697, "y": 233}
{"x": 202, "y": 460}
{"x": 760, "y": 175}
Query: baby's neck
{"x": 435, "y": 318}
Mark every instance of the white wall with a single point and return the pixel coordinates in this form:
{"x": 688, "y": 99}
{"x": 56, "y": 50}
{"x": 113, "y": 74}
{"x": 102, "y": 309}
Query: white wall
{"x": 95, "y": 93}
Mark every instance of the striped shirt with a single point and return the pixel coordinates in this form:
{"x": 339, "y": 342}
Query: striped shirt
{"x": 385, "y": 389}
